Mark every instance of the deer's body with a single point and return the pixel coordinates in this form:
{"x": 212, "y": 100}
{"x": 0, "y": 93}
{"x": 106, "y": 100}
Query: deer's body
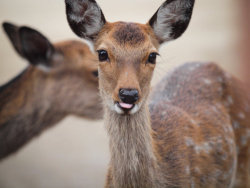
{"x": 185, "y": 138}
{"x": 206, "y": 110}
{"x": 40, "y": 97}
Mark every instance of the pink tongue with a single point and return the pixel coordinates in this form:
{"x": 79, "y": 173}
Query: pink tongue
{"x": 125, "y": 105}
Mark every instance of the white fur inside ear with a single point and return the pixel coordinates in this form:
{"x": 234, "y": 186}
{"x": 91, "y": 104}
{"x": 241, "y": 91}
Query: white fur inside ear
{"x": 43, "y": 67}
{"x": 76, "y": 13}
{"x": 168, "y": 15}
{"x": 92, "y": 15}
{"x": 162, "y": 25}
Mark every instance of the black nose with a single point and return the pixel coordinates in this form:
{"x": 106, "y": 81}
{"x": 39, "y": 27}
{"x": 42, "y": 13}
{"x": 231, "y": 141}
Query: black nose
{"x": 129, "y": 96}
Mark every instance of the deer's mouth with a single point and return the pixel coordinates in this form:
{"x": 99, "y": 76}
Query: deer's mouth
{"x": 125, "y": 108}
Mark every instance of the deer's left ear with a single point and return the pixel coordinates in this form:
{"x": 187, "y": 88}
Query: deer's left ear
{"x": 171, "y": 19}
{"x": 85, "y": 17}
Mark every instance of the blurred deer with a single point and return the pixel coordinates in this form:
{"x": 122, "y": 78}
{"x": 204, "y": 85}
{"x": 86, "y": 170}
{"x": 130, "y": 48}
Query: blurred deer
{"x": 189, "y": 138}
{"x": 61, "y": 79}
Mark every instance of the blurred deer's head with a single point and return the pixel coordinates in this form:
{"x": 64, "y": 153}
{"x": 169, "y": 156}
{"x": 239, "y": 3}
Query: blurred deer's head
{"x": 63, "y": 74}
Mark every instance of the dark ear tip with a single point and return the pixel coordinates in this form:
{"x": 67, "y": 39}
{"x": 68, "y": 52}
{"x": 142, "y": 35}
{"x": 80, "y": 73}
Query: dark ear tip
{"x": 25, "y": 29}
{"x": 30, "y": 33}
{"x": 7, "y": 26}
{"x": 70, "y": 1}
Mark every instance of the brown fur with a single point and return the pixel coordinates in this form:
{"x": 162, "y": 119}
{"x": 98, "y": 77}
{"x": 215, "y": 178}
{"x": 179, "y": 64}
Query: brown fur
{"x": 128, "y": 33}
{"x": 36, "y": 100}
{"x": 212, "y": 99}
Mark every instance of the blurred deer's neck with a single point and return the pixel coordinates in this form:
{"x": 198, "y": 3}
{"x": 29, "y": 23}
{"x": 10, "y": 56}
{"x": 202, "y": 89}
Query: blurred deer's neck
{"x": 18, "y": 97}
{"x": 14, "y": 95}
{"x": 23, "y": 112}
{"x": 133, "y": 161}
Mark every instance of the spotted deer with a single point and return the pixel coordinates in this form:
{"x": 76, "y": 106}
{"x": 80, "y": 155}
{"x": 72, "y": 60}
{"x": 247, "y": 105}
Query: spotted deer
{"x": 61, "y": 79}
{"x": 187, "y": 136}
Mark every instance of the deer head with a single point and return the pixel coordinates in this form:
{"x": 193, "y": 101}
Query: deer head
{"x": 63, "y": 74}
{"x": 127, "y": 51}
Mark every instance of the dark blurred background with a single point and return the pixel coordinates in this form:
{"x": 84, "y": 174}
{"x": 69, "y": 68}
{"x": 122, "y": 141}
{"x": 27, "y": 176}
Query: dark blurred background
{"x": 75, "y": 153}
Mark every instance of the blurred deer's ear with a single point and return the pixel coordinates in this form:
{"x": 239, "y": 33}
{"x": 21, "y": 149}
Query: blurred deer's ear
{"x": 12, "y": 32}
{"x": 85, "y": 18}
{"x": 30, "y": 44}
{"x": 35, "y": 47}
{"x": 171, "y": 19}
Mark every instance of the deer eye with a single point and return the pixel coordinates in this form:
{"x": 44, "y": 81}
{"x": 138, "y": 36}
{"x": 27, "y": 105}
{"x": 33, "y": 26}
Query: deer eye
{"x": 95, "y": 73}
{"x": 152, "y": 57}
{"x": 103, "y": 55}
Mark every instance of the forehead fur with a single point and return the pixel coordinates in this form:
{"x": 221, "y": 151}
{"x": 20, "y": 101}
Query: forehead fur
{"x": 128, "y": 33}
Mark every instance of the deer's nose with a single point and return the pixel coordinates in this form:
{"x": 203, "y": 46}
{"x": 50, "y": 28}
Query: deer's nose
{"x": 129, "y": 96}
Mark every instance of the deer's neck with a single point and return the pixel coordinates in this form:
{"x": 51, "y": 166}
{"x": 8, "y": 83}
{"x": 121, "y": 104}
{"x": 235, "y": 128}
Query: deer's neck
{"x": 133, "y": 161}
{"x": 23, "y": 112}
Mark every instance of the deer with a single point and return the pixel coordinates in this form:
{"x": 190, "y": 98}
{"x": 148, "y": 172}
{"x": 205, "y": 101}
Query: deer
{"x": 60, "y": 80}
{"x": 192, "y": 131}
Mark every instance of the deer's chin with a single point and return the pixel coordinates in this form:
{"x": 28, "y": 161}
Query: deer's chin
{"x": 127, "y": 109}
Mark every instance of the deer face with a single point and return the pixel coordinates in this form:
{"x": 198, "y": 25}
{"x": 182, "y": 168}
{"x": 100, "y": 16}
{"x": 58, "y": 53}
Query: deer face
{"x": 65, "y": 74}
{"x": 75, "y": 57}
{"x": 126, "y": 65}
{"x": 72, "y": 82}
{"x": 127, "y": 51}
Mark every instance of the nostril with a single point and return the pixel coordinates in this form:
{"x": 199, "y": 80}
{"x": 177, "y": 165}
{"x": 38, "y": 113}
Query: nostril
{"x": 129, "y": 96}
{"x": 134, "y": 93}
{"x": 121, "y": 91}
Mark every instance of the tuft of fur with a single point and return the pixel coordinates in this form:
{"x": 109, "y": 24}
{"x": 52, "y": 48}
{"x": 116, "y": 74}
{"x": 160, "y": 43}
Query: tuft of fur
{"x": 133, "y": 163}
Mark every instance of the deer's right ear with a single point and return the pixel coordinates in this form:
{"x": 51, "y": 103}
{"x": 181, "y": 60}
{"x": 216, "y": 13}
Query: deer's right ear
{"x": 85, "y": 17}
{"x": 12, "y": 32}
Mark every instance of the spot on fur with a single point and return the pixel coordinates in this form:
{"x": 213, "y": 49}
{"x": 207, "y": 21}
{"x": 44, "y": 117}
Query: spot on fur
{"x": 230, "y": 100}
{"x": 236, "y": 124}
{"x": 207, "y": 81}
{"x": 197, "y": 170}
{"x": 187, "y": 170}
{"x": 189, "y": 142}
{"x": 219, "y": 79}
{"x": 241, "y": 115}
